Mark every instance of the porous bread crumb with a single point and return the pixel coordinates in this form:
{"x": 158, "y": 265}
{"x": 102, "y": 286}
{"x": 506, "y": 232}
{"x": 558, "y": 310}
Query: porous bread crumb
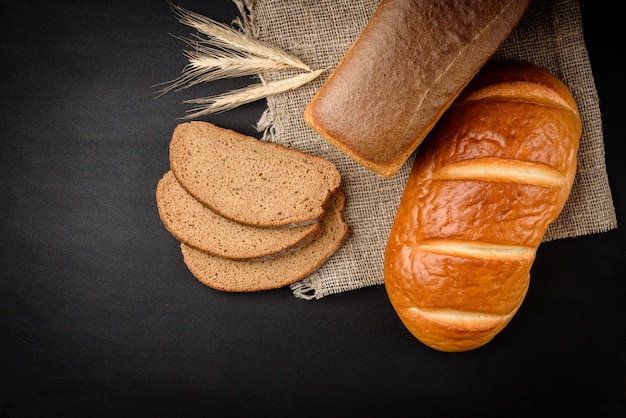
{"x": 250, "y": 181}
{"x": 250, "y": 276}
{"x": 191, "y": 222}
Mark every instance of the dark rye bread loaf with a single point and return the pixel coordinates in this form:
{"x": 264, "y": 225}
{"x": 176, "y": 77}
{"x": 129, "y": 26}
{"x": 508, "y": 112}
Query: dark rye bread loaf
{"x": 250, "y": 276}
{"x": 404, "y": 70}
{"x": 250, "y": 181}
{"x": 196, "y": 225}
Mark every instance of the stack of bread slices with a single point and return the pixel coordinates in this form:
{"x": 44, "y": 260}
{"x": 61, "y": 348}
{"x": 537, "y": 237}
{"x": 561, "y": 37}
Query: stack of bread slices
{"x": 250, "y": 215}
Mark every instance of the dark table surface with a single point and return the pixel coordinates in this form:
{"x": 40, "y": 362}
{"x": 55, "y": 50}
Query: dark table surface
{"x": 100, "y": 317}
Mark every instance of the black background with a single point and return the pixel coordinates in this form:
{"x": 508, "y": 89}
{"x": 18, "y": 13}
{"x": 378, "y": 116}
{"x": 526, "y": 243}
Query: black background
{"x": 100, "y": 317}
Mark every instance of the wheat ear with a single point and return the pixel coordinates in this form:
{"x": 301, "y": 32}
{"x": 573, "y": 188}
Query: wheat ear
{"x": 220, "y": 51}
{"x": 222, "y": 36}
{"x": 206, "y": 64}
{"x": 234, "y": 98}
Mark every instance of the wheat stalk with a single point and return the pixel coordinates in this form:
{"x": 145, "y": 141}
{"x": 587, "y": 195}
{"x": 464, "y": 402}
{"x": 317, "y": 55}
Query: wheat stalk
{"x": 206, "y": 64}
{"x": 221, "y": 36}
{"x": 220, "y": 51}
{"x": 234, "y": 98}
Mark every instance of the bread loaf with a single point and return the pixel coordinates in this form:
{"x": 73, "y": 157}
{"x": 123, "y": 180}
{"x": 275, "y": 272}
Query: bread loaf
{"x": 403, "y": 71}
{"x": 198, "y": 226}
{"x": 489, "y": 179}
{"x": 250, "y": 181}
{"x": 251, "y": 276}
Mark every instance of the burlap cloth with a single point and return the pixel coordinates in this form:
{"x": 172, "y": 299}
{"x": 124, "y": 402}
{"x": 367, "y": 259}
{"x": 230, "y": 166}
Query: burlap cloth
{"x": 320, "y": 31}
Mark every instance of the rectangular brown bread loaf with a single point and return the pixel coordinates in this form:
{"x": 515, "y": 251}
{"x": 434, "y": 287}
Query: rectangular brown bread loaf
{"x": 406, "y": 67}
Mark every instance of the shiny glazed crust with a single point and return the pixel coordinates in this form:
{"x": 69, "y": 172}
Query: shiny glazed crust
{"x": 486, "y": 184}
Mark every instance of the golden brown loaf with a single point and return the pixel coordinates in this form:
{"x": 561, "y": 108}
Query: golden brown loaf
{"x": 250, "y": 181}
{"x": 198, "y": 226}
{"x": 489, "y": 179}
{"x": 410, "y": 62}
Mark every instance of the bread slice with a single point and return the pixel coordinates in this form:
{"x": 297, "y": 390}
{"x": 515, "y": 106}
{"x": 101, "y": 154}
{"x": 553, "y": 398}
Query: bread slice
{"x": 250, "y": 181}
{"x": 198, "y": 226}
{"x": 404, "y": 70}
{"x": 250, "y": 276}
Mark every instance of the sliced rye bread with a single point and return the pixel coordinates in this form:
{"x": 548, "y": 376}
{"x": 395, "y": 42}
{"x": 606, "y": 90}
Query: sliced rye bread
{"x": 250, "y": 181}
{"x": 196, "y": 225}
{"x": 251, "y": 276}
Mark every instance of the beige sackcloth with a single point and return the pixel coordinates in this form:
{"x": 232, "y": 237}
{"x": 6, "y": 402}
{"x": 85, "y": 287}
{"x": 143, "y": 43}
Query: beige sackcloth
{"x": 319, "y": 32}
